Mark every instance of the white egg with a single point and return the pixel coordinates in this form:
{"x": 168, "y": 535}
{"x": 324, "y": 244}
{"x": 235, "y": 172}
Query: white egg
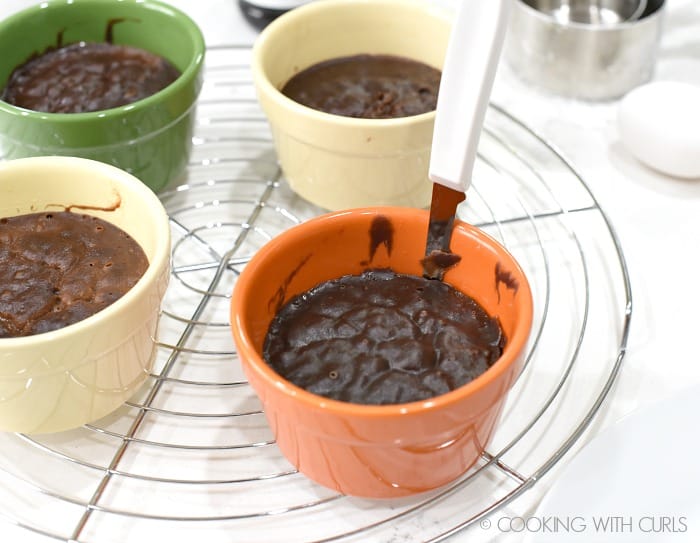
{"x": 659, "y": 124}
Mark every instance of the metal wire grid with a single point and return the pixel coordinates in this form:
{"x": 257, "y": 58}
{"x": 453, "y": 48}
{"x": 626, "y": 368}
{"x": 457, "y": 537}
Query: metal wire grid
{"x": 191, "y": 455}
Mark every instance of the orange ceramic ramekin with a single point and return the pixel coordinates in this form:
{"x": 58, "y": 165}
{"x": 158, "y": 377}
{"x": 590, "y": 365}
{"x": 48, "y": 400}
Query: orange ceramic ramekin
{"x": 368, "y": 450}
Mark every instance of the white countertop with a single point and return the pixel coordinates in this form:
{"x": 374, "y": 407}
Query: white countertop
{"x": 657, "y": 218}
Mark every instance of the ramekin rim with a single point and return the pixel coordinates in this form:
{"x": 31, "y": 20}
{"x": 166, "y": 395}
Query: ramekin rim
{"x": 510, "y": 355}
{"x": 188, "y": 75}
{"x": 262, "y": 81}
{"x": 158, "y": 264}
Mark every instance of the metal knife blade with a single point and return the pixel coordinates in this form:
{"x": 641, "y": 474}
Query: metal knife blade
{"x": 443, "y": 208}
{"x": 467, "y": 77}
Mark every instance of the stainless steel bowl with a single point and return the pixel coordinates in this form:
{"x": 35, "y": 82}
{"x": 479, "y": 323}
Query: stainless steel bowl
{"x": 593, "y": 12}
{"x": 577, "y": 48}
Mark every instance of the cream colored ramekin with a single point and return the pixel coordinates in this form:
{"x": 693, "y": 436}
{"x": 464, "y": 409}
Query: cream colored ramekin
{"x": 340, "y": 162}
{"x": 62, "y": 379}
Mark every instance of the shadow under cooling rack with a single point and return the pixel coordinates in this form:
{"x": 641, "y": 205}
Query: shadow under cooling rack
{"x": 191, "y": 455}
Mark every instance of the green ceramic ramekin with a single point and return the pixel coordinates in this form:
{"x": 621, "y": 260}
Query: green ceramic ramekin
{"x": 151, "y": 138}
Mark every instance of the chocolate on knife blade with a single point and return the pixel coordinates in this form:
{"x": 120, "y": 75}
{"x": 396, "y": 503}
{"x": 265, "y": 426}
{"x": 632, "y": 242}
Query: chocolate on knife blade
{"x": 443, "y": 208}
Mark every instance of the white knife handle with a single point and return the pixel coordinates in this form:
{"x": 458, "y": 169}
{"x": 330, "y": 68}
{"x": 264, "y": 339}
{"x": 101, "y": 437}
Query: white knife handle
{"x": 470, "y": 66}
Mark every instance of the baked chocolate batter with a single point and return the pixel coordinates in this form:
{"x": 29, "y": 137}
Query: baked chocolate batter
{"x": 367, "y": 86}
{"x": 87, "y": 76}
{"x": 57, "y": 268}
{"x": 382, "y": 338}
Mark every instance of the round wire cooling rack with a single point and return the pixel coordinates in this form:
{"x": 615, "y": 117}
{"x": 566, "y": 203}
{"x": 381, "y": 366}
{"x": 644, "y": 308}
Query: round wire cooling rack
{"x": 191, "y": 455}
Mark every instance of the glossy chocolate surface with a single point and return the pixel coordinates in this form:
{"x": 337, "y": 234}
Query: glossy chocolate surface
{"x": 367, "y": 86}
{"x": 57, "y": 268}
{"x": 87, "y": 76}
{"x": 382, "y": 338}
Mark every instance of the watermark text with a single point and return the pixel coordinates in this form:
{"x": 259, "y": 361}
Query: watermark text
{"x": 607, "y": 524}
